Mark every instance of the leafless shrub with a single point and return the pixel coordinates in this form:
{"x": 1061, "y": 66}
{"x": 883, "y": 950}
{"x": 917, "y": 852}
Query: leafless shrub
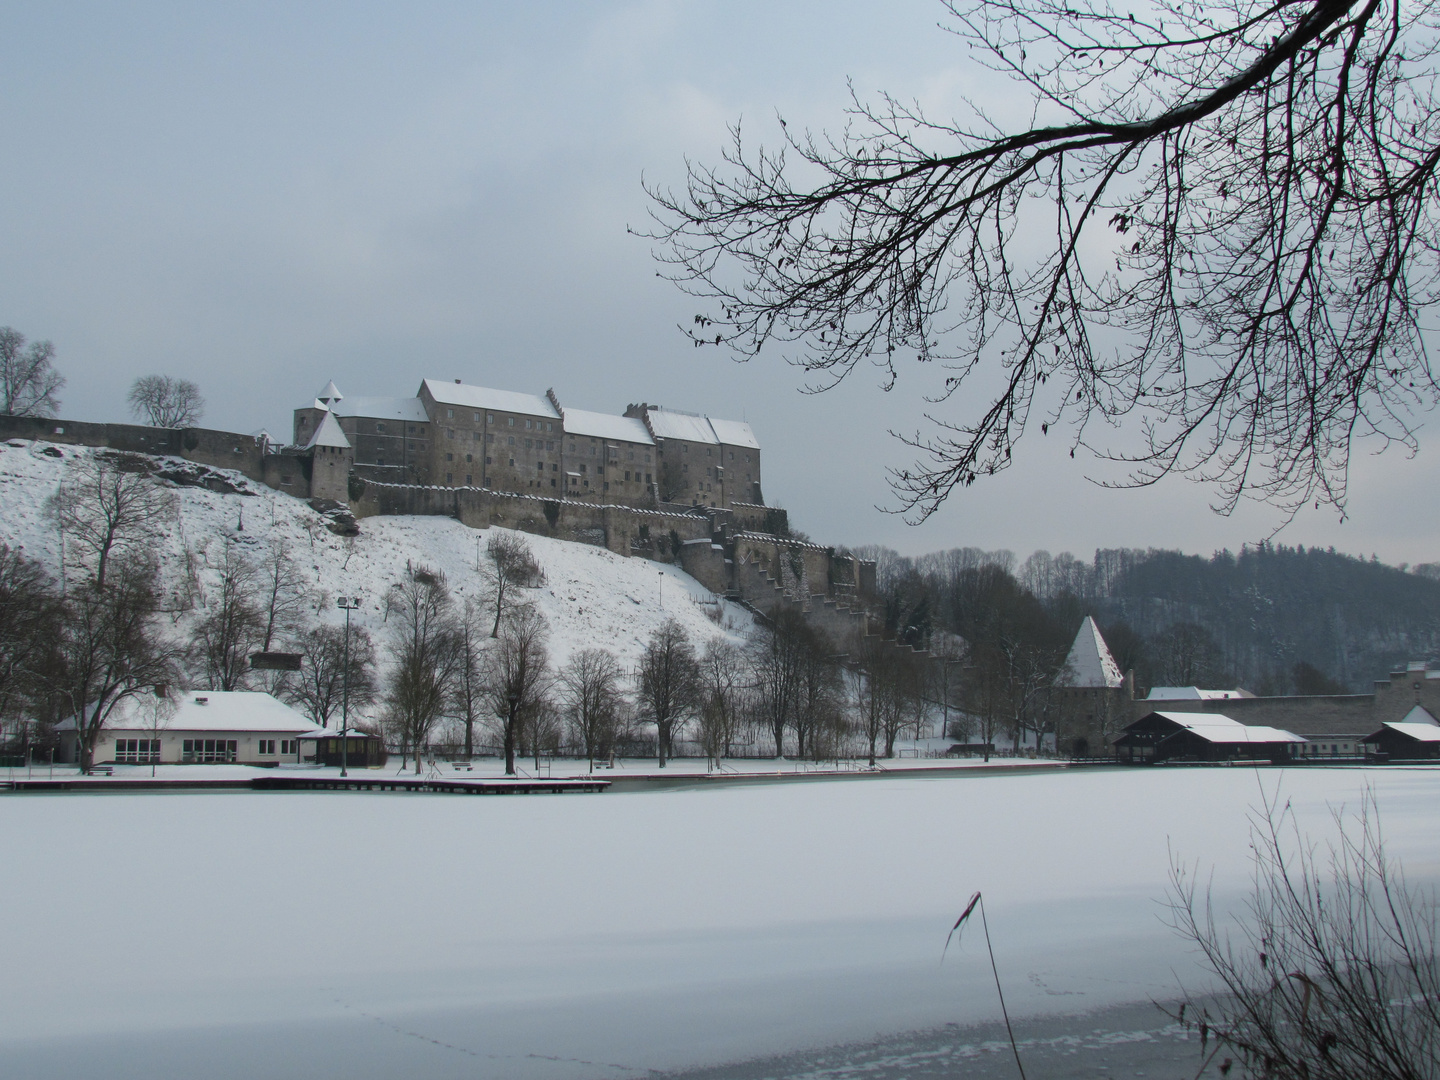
{"x": 1331, "y": 972}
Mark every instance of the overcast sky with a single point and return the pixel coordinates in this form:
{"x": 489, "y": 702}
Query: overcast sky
{"x": 262, "y": 197}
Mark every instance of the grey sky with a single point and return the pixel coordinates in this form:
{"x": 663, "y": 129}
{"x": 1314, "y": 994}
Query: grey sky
{"x": 262, "y": 197}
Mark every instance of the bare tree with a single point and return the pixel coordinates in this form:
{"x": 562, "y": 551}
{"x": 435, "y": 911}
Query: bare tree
{"x": 234, "y": 626}
{"x": 512, "y": 566}
{"x": 320, "y": 687}
{"x": 776, "y": 656}
{"x": 469, "y": 701}
{"x": 589, "y": 692}
{"x": 108, "y": 504}
{"x": 818, "y": 687}
{"x": 1221, "y": 230}
{"x": 425, "y": 647}
{"x": 165, "y": 402}
{"x": 518, "y": 675}
{"x": 28, "y": 381}
{"x": 722, "y": 690}
{"x": 1331, "y": 972}
{"x": 109, "y": 648}
{"x": 667, "y": 683}
{"x": 283, "y": 594}
{"x": 30, "y": 620}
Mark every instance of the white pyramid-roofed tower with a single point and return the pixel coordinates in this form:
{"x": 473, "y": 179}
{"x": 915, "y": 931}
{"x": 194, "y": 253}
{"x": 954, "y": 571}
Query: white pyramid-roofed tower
{"x": 1090, "y": 662}
{"x": 329, "y": 433}
{"x": 331, "y": 393}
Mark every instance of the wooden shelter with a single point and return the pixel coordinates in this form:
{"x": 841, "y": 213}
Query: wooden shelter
{"x": 364, "y": 751}
{"x": 1183, "y": 736}
{"x": 1415, "y": 738}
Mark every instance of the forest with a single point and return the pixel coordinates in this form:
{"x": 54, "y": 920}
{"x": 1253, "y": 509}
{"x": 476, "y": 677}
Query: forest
{"x": 1271, "y": 618}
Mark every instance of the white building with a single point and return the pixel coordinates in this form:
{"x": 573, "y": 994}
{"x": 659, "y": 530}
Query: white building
{"x": 195, "y": 727}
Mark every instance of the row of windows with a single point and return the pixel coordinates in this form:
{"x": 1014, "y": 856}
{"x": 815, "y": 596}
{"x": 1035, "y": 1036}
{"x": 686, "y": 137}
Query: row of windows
{"x": 137, "y": 751}
{"x": 208, "y": 750}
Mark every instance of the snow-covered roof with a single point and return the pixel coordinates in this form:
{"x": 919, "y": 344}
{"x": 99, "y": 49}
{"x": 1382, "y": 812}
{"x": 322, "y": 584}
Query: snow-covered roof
{"x": 1212, "y": 727}
{"x": 331, "y": 392}
{"x": 1418, "y": 732}
{"x": 677, "y": 425}
{"x": 382, "y": 408}
{"x": 735, "y": 433}
{"x": 1090, "y": 661}
{"x": 328, "y": 433}
{"x": 604, "y": 426}
{"x": 206, "y": 710}
{"x": 1191, "y": 693}
{"x": 482, "y": 397}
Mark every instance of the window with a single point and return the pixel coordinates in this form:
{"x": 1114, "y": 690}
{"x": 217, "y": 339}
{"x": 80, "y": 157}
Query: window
{"x": 552, "y": 483}
{"x": 379, "y": 427}
{"x": 468, "y": 481}
{"x": 512, "y": 440}
{"x": 607, "y": 485}
{"x": 540, "y": 466}
{"x": 449, "y": 457}
{"x": 510, "y": 420}
{"x": 489, "y": 418}
{"x": 647, "y": 457}
{"x": 512, "y": 462}
{"x": 684, "y": 449}
{"x": 732, "y": 455}
{"x": 412, "y": 429}
{"x": 468, "y": 457}
{"x": 207, "y": 751}
{"x": 289, "y": 746}
{"x": 554, "y": 467}
{"x": 137, "y": 751}
{"x": 527, "y": 425}
{"x": 449, "y": 414}
{"x": 489, "y": 461}
{"x": 549, "y": 446}
{"x": 582, "y": 466}
{"x": 627, "y": 474}
{"x": 450, "y": 433}
{"x": 529, "y": 444}
{"x": 449, "y": 479}
{"x": 490, "y": 437}
{"x": 266, "y": 748}
{"x": 477, "y": 418}
{"x": 647, "y": 479}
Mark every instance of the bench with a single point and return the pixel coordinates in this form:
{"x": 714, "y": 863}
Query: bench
{"x": 102, "y": 770}
{"x": 463, "y": 766}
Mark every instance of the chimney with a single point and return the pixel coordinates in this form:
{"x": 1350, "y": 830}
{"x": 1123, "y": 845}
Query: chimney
{"x": 457, "y": 382}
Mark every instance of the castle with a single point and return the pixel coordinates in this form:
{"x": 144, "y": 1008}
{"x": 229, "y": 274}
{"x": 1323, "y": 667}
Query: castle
{"x": 455, "y": 435}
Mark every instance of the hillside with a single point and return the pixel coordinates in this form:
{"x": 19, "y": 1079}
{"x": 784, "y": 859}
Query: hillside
{"x": 591, "y": 596}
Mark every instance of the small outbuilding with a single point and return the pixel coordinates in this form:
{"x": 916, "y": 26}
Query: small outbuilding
{"x": 355, "y": 749}
{"x": 1185, "y": 736}
{"x": 1415, "y": 738}
{"x": 198, "y": 727}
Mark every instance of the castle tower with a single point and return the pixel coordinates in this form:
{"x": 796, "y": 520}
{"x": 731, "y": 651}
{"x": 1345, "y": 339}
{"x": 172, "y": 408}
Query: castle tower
{"x": 1092, "y": 697}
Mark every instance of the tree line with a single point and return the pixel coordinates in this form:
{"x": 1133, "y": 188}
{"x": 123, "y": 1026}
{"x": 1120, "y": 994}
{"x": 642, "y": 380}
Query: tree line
{"x": 442, "y": 673}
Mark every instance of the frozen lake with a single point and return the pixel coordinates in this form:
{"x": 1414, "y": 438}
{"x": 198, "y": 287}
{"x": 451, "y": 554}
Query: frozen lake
{"x": 379, "y": 935}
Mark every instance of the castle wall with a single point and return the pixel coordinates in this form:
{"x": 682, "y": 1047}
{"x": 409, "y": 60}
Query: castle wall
{"x": 623, "y": 529}
{"x": 221, "y": 449}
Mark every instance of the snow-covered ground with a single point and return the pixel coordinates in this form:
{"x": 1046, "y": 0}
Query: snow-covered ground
{"x": 592, "y": 597}
{"x": 370, "y": 935}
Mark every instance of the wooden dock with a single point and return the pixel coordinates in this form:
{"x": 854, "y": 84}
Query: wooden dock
{"x": 365, "y": 781}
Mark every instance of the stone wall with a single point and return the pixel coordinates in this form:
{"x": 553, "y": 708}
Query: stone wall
{"x": 221, "y": 449}
{"x": 625, "y": 530}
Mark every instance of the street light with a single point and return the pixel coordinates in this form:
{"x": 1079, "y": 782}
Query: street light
{"x": 347, "y": 604}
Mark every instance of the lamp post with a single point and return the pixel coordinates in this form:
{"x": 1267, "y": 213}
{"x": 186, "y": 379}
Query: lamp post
{"x": 514, "y": 699}
{"x": 347, "y": 604}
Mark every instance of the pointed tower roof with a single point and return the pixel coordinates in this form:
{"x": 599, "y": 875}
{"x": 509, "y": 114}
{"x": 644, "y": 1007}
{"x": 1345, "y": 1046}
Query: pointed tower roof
{"x": 329, "y": 434}
{"x": 331, "y": 392}
{"x": 1419, "y": 715}
{"x": 1090, "y": 661}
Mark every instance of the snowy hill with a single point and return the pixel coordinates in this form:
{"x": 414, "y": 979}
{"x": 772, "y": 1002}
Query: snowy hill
{"x": 591, "y": 598}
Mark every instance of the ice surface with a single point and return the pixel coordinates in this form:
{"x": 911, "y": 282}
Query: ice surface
{"x": 370, "y": 935}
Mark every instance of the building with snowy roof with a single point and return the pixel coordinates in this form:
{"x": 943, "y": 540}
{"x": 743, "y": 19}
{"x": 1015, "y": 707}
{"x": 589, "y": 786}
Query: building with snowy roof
{"x": 1184, "y": 736}
{"x": 454, "y": 434}
{"x": 1415, "y": 738}
{"x": 196, "y": 727}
